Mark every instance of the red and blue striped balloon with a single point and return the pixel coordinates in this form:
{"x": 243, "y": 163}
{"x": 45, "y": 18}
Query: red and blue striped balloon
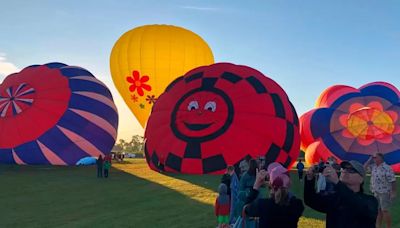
{"x": 55, "y": 114}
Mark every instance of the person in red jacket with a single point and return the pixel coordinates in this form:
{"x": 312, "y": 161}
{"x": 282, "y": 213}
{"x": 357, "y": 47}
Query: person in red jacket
{"x": 222, "y": 206}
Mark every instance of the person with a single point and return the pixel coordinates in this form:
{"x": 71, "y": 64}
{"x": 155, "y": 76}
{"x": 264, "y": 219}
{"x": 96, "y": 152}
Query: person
{"x": 282, "y": 208}
{"x": 161, "y": 167}
{"x": 226, "y": 178}
{"x": 333, "y": 162}
{"x": 107, "y": 165}
{"x": 234, "y": 187}
{"x": 244, "y": 165}
{"x": 222, "y": 206}
{"x": 348, "y": 206}
{"x": 329, "y": 186}
{"x": 122, "y": 156}
{"x": 245, "y": 186}
{"x": 99, "y": 163}
{"x": 261, "y": 162}
{"x": 383, "y": 186}
{"x": 321, "y": 164}
{"x": 249, "y": 177}
{"x": 300, "y": 169}
{"x": 107, "y": 158}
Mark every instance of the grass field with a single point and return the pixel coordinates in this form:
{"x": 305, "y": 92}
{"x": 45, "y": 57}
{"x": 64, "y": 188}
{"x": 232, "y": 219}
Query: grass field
{"x": 133, "y": 196}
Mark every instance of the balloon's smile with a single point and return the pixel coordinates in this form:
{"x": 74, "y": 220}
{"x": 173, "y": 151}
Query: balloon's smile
{"x": 197, "y": 127}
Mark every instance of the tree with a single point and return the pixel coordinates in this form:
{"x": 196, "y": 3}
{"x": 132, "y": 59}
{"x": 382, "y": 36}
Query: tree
{"x": 135, "y": 145}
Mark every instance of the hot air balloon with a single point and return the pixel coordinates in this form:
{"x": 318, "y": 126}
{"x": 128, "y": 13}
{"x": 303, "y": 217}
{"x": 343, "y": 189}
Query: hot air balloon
{"x": 146, "y": 59}
{"x": 55, "y": 114}
{"x": 87, "y": 161}
{"x": 216, "y": 115}
{"x": 353, "y": 124}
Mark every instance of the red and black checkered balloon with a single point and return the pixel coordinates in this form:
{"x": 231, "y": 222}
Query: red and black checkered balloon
{"x": 216, "y": 115}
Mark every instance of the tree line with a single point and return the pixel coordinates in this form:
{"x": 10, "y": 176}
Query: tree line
{"x": 133, "y": 146}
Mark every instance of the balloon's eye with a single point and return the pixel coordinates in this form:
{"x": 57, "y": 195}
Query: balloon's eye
{"x": 210, "y": 106}
{"x": 193, "y": 105}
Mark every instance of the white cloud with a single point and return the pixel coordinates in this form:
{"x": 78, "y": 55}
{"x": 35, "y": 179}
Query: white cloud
{"x": 199, "y": 8}
{"x": 6, "y": 68}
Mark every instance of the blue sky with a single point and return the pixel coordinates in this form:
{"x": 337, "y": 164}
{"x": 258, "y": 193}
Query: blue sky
{"x": 306, "y": 46}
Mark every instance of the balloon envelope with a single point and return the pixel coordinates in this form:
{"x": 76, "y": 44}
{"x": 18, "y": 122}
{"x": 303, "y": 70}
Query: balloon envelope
{"x": 55, "y": 114}
{"x": 87, "y": 161}
{"x": 353, "y": 124}
{"x": 216, "y": 115}
{"x": 146, "y": 59}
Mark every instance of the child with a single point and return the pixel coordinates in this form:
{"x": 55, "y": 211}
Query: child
{"x": 222, "y": 206}
{"x": 107, "y": 166}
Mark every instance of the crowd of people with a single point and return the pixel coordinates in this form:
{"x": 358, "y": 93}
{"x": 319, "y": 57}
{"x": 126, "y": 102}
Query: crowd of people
{"x": 259, "y": 194}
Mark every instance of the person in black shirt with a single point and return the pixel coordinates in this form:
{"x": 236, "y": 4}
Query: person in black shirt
{"x": 226, "y": 178}
{"x": 282, "y": 209}
{"x": 348, "y": 206}
{"x": 99, "y": 163}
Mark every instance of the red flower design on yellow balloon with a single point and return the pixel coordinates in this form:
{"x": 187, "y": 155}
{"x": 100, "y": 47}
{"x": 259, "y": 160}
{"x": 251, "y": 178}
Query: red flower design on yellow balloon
{"x": 134, "y": 98}
{"x": 369, "y": 123}
{"x": 138, "y": 83}
{"x": 151, "y": 99}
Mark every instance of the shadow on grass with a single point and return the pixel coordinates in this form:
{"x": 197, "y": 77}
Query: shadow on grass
{"x": 38, "y": 196}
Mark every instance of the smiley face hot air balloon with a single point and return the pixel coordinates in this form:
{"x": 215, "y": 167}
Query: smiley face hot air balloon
{"x": 353, "y": 124}
{"x": 216, "y": 115}
{"x": 146, "y": 59}
{"x": 55, "y": 114}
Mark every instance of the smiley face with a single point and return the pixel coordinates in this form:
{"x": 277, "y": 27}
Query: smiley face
{"x": 202, "y": 115}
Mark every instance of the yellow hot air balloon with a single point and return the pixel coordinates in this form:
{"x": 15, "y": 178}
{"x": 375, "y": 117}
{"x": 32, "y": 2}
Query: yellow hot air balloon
{"x": 146, "y": 59}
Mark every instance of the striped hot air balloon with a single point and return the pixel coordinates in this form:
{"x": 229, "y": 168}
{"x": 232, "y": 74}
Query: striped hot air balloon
{"x": 55, "y": 114}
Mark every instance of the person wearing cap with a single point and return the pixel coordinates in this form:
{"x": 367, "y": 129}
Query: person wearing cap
{"x": 282, "y": 209}
{"x": 383, "y": 186}
{"x": 348, "y": 206}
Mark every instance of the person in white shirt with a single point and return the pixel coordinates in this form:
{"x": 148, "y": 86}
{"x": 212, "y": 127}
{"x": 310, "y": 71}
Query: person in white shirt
{"x": 383, "y": 186}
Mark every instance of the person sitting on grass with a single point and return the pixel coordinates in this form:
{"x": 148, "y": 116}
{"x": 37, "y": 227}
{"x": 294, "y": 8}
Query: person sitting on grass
{"x": 222, "y": 207}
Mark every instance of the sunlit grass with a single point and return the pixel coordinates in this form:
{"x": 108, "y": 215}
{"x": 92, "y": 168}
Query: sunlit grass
{"x": 140, "y": 169}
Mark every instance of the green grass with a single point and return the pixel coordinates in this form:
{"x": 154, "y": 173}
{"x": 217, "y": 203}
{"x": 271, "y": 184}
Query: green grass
{"x": 45, "y": 196}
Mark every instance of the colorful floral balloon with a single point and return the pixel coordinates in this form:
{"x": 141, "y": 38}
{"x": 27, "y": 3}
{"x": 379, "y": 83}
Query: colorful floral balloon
{"x": 55, "y": 114}
{"x": 216, "y": 115}
{"x": 352, "y": 124}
